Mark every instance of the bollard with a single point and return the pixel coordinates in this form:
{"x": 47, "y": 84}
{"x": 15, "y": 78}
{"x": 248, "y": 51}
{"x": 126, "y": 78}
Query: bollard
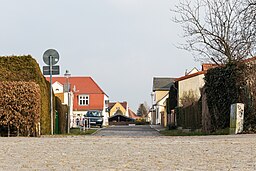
{"x": 236, "y": 118}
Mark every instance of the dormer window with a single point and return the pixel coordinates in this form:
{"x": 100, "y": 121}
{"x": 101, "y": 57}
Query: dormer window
{"x": 83, "y": 100}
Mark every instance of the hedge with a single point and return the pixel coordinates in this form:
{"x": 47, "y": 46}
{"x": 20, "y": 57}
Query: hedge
{"x": 26, "y": 69}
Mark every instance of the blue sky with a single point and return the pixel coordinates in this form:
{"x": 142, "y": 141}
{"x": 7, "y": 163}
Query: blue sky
{"x": 121, "y": 44}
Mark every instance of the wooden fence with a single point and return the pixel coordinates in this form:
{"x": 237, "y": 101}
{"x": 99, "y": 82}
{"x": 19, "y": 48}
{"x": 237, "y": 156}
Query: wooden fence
{"x": 189, "y": 117}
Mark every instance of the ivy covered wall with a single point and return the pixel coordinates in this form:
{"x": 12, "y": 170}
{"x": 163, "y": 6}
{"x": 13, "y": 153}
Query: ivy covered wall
{"x": 226, "y": 85}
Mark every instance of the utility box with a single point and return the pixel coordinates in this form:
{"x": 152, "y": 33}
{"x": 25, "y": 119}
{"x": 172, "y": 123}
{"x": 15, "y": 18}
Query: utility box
{"x": 236, "y": 118}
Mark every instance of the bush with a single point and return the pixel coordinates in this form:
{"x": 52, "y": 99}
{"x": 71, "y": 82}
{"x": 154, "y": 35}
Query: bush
{"x": 20, "y": 107}
{"x": 26, "y": 69}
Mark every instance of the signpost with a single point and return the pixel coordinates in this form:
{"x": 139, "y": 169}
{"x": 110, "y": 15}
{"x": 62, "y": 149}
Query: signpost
{"x": 50, "y": 58}
{"x": 55, "y": 70}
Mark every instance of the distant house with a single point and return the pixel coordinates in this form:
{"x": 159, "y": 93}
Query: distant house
{"x": 115, "y": 108}
{"x": 133, "y": 115}
{"x": 120, "y": 113}
{"x": 85, "y": 95}
{"x": 160, "y": 93}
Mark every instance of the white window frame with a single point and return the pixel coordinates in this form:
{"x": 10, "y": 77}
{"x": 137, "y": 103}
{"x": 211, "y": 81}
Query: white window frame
{"x": 83, "y": 100}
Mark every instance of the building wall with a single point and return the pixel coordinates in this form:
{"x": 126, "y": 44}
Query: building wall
{"x": 160, "y": 108}
{"x": 115, "y": 108}
{"x": 57, "y": 87}
{"x": 159, "y": 95}
{"x": 96, "y": 102}
{"x": 104, "y": 111}
{"x": 191, "y": 84}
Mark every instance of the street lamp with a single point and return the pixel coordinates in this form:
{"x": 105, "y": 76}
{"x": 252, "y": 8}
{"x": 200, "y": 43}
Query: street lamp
{"x": 67, "y": 89}
{"x": 152, "y": 108}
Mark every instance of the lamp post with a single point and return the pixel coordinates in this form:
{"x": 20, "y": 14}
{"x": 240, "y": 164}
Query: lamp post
{"x": 152, "y": 109}
{"x": 67, "y": 89}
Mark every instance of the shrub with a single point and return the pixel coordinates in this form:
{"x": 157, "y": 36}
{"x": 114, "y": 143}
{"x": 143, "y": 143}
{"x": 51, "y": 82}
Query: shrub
{"x": 20, "y": 107}
{"x": 25, "y": 68}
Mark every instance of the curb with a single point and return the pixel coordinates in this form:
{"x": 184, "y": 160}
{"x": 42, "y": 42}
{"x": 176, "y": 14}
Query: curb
{"x": 100, "y": 129}
{"x": 154, "y": 128}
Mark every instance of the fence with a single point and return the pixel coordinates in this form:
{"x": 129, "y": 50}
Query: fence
{"x": 189, "y": 117}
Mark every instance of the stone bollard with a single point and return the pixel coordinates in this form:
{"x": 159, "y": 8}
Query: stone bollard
{"x": 236, "y": 118}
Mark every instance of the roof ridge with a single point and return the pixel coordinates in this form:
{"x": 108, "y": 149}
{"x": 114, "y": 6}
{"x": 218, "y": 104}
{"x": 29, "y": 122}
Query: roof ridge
{"x": 98, "y": 86}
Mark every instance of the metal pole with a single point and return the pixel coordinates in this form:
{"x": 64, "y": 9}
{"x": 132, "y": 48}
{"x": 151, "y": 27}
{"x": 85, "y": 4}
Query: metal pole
{"x": 50, "y": 59}
{"x": 68, "y": 118}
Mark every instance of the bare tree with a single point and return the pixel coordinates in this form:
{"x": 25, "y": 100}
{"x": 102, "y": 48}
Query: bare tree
{"x": 220, "y": 31}
{"x": 142, "y": 110}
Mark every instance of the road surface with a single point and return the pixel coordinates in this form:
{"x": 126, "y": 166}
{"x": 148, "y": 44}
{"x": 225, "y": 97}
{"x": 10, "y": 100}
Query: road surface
{"x": 128, "y": 131}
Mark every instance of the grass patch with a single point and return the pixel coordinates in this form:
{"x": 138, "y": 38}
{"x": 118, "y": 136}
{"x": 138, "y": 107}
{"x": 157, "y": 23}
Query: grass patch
{"x": 77, "y": 131}
{"x": 193, "y": 133}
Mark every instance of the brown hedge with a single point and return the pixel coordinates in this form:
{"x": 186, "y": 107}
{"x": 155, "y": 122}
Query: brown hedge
{"x": 25, "y": 68}
{"x": 20, "y": 107}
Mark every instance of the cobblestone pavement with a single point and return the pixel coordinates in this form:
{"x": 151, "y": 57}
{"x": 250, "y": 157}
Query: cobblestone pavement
{"x": 128, "y": 131}
{"x": 129, "y": 153}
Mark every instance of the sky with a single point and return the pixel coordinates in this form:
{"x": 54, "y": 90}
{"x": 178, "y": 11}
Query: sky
{"x": 121, "y": 44}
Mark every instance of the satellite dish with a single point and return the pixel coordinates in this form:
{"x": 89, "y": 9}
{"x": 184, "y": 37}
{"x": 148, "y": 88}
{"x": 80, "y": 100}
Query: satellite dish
{"x": 51, "y": 53}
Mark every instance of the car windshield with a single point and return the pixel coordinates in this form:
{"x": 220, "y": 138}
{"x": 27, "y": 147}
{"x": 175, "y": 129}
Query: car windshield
{"x": 93, "y": 113}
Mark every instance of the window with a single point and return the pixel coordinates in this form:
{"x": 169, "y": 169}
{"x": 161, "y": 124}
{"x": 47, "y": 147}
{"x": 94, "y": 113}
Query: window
{"x": 83, "y": 100}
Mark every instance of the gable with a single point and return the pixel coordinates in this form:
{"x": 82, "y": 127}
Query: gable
{"x": 194, "y": 70}
{"x": 190, "y": 76}
{"x": 162, "y": 100}
{"x": 116, "y": 107}
{"x": 57, "y": 87}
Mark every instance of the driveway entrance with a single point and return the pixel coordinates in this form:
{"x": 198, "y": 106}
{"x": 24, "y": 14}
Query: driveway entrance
{"x": 128, "y": 131}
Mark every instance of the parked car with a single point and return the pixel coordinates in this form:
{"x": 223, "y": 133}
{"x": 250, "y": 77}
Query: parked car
{"x": 95, "y": 117}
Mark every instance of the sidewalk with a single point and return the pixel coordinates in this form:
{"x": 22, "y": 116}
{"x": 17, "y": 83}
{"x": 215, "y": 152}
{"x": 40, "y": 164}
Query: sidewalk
{"x": 158, "y": 127}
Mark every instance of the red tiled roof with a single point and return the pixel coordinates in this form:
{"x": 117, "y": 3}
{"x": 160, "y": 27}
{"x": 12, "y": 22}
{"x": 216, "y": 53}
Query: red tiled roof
{"x": 124, "y": 104}
{"x": 84, "y": 85}
{"x": 190, "y": 76}
{"x": 111, "y": 104}
{"x": 132, "y": 114}
{"x": 205, "y": 67}
{"x": 250, "y": 59}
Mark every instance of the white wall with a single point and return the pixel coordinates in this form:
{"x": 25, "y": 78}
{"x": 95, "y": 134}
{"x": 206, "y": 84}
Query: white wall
{"x": 57, "y": 87}
{"x": 104, "y": 113}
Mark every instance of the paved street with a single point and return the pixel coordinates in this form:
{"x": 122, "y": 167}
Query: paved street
{"x": 128, "y": 131}
{"x": 114, "y": 153}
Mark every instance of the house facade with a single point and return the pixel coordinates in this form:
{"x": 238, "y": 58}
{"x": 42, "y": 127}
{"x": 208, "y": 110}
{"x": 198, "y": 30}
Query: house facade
{"x": 118, "y": 108}
{"x": 84, "y": 95}
{"x": 160, "y": 93}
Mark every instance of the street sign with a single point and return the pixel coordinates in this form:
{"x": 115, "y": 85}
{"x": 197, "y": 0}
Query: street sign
{"x": 55, "y": 70}
{"x": 51, "y": 53}
{"x": 51, "y": 57}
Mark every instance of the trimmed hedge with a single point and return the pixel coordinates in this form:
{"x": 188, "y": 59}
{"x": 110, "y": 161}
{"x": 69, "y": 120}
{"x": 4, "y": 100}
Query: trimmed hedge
{"x": 62, "y": 111}
{"x": 25, "y": 68}
{"x": 20, "y": 107}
